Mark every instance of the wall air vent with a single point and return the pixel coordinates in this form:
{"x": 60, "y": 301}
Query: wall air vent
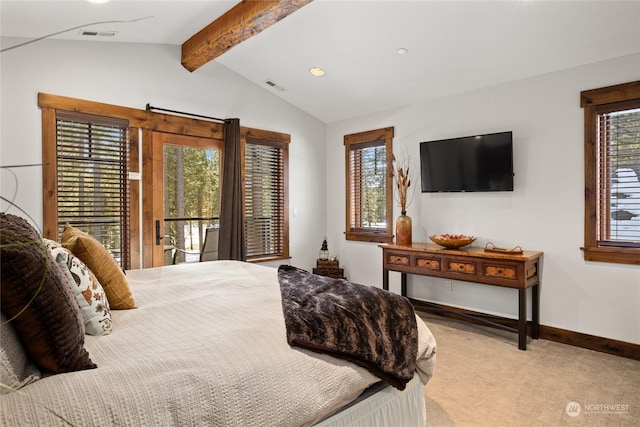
{"x": 87, "y": 33}
{"x": 274, "y": 85}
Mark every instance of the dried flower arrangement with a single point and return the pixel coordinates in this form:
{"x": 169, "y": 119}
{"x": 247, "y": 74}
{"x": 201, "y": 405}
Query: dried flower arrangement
{"x": 403, "y": 182}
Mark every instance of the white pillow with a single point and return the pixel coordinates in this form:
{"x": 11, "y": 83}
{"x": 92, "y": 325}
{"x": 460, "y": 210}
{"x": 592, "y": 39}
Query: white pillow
{"x": 16, "y": 369}
{"x": 87, "y": 289}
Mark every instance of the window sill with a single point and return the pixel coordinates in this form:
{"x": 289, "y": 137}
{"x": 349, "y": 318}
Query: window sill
{"x": 609, "y": 254}
{"x": 368, "y": 237}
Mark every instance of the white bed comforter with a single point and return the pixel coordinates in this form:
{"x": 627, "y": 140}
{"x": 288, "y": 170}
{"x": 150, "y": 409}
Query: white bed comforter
{"x": 206, "y": 346}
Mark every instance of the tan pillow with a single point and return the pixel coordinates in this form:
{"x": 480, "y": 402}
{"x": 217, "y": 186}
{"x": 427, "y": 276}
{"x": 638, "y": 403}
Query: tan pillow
{"x": 102, "y": 264}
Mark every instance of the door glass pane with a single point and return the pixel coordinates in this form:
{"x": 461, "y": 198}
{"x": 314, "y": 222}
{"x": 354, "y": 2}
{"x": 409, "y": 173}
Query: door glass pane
{"x": 191, "y": 200}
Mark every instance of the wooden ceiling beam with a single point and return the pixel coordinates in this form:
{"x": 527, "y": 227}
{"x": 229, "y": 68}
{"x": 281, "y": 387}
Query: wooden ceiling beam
{"x": 244, "y": 20}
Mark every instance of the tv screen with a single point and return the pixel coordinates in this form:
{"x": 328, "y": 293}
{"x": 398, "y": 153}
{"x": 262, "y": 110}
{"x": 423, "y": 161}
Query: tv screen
{"x": 471, "y": 163}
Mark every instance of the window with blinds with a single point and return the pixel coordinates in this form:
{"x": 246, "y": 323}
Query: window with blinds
{"x": 611, "y": 173}
{"x": 92, "y": 167}
{"x": 369, "y": 186}
{"x": 266, "y": 223}
{"x": 618, "y": 197}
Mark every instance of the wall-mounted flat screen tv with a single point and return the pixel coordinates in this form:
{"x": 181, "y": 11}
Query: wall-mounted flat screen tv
{"x": 470, "y": 163}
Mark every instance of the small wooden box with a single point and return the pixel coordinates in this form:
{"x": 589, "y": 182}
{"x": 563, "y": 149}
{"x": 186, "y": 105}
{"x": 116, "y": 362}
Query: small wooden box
{"x": 327, "y": 263}
{"x": 337, "y": 273}
{"x": 329, "y": 268}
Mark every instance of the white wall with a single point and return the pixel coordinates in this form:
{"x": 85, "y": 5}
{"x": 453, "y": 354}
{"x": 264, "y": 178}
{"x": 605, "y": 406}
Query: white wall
{"x": 545, "y": 212}
{"x": 133, "y": 75}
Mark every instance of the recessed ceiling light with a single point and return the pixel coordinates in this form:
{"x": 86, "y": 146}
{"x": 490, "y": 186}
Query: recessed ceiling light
{"x": 316, "y": 71}
{"x": 402, "y": 51}
{"x": 98, "y": 1}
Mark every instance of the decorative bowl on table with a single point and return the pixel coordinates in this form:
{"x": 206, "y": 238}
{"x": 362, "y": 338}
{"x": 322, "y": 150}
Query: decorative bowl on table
{"x": 452, "y": 241}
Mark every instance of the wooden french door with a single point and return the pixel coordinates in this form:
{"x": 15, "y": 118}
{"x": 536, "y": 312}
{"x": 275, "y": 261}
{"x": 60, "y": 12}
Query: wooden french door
{"x": 181, "y": 188}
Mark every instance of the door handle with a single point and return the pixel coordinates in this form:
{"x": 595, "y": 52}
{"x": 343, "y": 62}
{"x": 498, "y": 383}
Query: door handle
{"x": 159, "y": 237}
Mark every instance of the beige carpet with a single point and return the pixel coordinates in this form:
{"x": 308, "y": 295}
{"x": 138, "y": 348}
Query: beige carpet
{"x": 482, "y": 379}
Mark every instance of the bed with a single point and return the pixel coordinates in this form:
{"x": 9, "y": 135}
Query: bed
{"x": 206, "y": 345}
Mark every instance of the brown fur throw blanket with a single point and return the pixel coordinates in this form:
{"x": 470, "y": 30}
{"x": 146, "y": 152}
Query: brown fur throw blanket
{"x": 368, "y": 326}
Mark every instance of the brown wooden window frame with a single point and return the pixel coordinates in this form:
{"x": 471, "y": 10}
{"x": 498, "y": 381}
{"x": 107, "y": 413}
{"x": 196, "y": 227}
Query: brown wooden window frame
{"x": 355, "y": 230}
{"x": 595, "y": 102}
{"x": 279, "y": 141}
{"x": 92, "y": 166}
{"x": 147, "y": 122}
{"x": 138, "y": 120}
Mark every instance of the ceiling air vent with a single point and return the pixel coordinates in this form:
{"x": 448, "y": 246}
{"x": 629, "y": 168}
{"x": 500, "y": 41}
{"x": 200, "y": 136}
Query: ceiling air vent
{"x": 87, "y": 33}
{"x": 274, "y": 85}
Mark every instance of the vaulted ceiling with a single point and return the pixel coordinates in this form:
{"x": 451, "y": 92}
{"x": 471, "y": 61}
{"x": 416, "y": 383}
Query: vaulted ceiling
{"x": 449, "y": 46}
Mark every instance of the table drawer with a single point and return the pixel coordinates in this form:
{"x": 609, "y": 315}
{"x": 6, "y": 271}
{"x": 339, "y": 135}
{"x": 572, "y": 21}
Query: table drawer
{"x": 428, "y": 263}
{"x": 463, "y": 267}
{"x": 500, "y": 271}
{"x": 396, "y": 259}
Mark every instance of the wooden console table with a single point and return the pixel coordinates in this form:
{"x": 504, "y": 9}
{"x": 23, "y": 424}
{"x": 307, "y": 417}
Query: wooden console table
{"x": 472, "y": 264}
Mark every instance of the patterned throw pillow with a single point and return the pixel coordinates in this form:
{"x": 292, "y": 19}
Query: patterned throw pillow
{"x": 16, "y": 370}
{"x": 103, "y": 265}
{"x": 36, "y": 295}
{"x": 87, "y": 289}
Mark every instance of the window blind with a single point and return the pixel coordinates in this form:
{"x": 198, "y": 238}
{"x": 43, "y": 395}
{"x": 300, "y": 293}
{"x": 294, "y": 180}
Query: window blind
{"x": 618, "y": 185}
{"x": 264, "y": 198}
{"x": 92, "y": 164}
{"x": 368, "y": 167}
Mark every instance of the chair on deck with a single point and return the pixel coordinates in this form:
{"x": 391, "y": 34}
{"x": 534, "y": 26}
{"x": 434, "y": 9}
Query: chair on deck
{"x": 209, "y": 250}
